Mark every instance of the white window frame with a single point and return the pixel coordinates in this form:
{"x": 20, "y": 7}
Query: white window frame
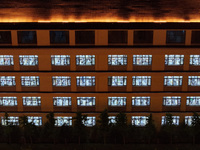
{"x": 141, "y": 101}
{"x": 60, "y": 60}
{"x": 61, "y": 120}
{"x": 175, "y": 120}
{"x": 31, "y": 101}
{"x": 112, "y": 120}
{"x": 8, "y": 101}
{"x": 37, "y": 121}
{"x": 174, "y": 60}
{"x": 139, "y": 121}
{"x": 195, "y": 60}
{"x": 85, "y": 80}
{"x": 62, "y": 101}
{"x": 193, "y": 101}
{"x": 6, "y": 60}
{"x": 30, "y": 81}
{"x": 142, "y": 60}
{"x": 117, "y": 60}
{"x": 117, "y": 80}
{"x": 85, "y": 60}
{"x": 117, "y": 101}
{"x": 90, "y": 121}
{"x": 61, "y": 81}
{"x": 141, "y": 80}
{"x": 28, "y": 60}
{"x": 194, "y": 80}
{"x": 11, "y": 121}
{"x": 7, "y": 81}
{"x": 171, "y": 100}
{"x": 188, "y": 120}
{"x": 173, "y": 80}
{"x": 86, "y": 101}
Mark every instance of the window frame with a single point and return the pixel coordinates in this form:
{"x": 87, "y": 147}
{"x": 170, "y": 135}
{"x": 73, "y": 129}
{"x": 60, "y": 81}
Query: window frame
{"x": 8, "y": 98}
{"x": 180, "y": 80}
{"x": 111, "y": 58}
{"x": 176, "y": 34}
{"x": 90, "y": 101}
{"x": 122, "y": 101}
{"x": 139, "y": 121}
{"x": 21, "y": 61}
{"x": 33, "y": 100}
{"x": 84, "y": 59}
{"x": 175, "y": 120}
{"x": 170, "y": 57}
{"x": 67, "y": 119}
{"x": 147, "y": 78}
{"x": 146, "y": 99}
{"x": 192, "y": 58}
{"x": 4, "y": 59}
{"x": 90, "y": 118}
{"x": 118, "y": 78}
{"x": 68, "y": 101}
{"x": 10, "y": 79}
{"x": 191, "y": 80}
{"x": 63, "y": 79}
{"x": 143, "y": 58}
{"x": 61, "y": 58}
{"x": 177, "y": 100}
{"x": 190, "y": 99}
{"x": 90, "y": 79}
{"x": 36, "y": 120}
{"x": 12, "y": 120}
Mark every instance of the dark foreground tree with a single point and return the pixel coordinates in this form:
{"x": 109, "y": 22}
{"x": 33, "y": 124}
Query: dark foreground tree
{"x": 79, "y": 127}
{"x": 150, "y": 129}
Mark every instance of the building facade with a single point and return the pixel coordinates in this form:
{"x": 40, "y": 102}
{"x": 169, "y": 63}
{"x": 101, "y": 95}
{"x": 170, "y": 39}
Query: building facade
{"x": 136, "y": 68}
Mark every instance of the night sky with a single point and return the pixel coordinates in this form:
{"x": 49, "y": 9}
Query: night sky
{"x": 95, "y": 9}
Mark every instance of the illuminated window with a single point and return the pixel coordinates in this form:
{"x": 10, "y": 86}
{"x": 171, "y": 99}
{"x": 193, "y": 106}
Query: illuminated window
{"x": 141, "y": 101}
{"x": 59, "y": 37}
{"x": 60, "y": 121}
{"x": 85, "y": 60}
{"x": 188, "y": 120}
{"x": 84, "y": 37}
{"x": 117, "y": 80}
{"x": 116, "y": 101}
{"x": 27, "y": 37}
{"x": 171, "y": 101}
{"x": 62, "y": 101}
{"x": 194, "y": 80}
{"x": 141, "y": 80}
{"x": 173, "y": 80}
{"x": 8, "y": 101}
{"x": 28, "y": 60}
{"x": 30, "y": 81}
{"x": 195, "y": 60}
{"x": 5, "y": 37}
{"x": 115, "y": 60}
{"x": 174, "y": 60}
{"x": 31, "y": 101}
{"x": 142, "y": 60}
{"x": 7, "y": 80}
{"x": 193, "y": 101}
{"x": 10, "y": 121}
{"x": 90, "y": 121}
{"x": 175, "y": 120}
{"x": 61, "y": 81}
{"x": 85, "y": 81}
{"x": 175, "y": 37}
{"x": 6, "y": 60}
{"x": 60, "y": 60}
{"x": 37, "y": 121}
{"x": 86, "y": 101}
{"x": 112, "y": 119}
{"x": 139, "y": 121}
{"x": 143, "y": 37}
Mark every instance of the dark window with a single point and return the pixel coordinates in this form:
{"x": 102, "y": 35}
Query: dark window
{"x": 85, "y": 37}
{"x": 5, "y": 37}
{"x": 117, "y": 37}
{"x": 195, "y": 37}
{"x": 27, "y": 37}
{"x": 143, "y": 37}
{"x": 59, "y": 37}
{"x": 175, "y": 37}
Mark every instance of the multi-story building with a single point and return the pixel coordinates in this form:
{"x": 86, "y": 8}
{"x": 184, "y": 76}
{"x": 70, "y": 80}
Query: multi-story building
{"x": 137, "y": 68}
